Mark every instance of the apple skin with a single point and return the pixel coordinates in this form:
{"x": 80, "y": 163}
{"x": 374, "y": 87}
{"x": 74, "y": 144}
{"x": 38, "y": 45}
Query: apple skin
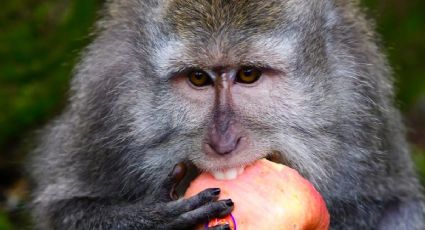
{"x": 268, "y": 196}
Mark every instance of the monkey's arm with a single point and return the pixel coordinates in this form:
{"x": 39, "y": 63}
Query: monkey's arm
{"x": 118, "y": 213}
{"x": 109, "y": 213}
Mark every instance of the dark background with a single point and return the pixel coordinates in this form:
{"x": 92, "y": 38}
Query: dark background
{"x": 40, "y": 42}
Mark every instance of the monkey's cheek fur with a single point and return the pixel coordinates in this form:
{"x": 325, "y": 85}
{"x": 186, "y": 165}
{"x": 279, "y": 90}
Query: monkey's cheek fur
{"x": 268, "y": 196}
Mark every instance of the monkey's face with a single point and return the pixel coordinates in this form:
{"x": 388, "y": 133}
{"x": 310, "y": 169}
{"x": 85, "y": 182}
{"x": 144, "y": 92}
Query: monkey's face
{"x": 231, "y": 100}
{"x": 234, "y": 108}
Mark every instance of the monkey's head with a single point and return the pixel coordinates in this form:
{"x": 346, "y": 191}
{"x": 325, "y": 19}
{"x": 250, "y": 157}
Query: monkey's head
{"x": 223, "y": 83}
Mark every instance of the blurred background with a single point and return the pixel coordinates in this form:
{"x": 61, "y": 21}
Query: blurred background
{"x": 40, "y": 42}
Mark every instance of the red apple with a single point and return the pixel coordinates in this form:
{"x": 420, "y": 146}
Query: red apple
{"x": 268, "y": 196}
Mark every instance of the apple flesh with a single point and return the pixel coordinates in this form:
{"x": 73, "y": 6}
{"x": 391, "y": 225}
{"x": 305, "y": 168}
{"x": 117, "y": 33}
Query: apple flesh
{"x": 268, "y": 196}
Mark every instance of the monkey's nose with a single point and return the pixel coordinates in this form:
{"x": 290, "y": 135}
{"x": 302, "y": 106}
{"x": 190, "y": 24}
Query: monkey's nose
{"x": 225, "y": 144}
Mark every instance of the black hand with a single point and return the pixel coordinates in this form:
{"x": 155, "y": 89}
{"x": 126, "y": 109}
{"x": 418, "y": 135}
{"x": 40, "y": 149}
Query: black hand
{"x": 187, "y": 213}
{"x": 199, "y": 209}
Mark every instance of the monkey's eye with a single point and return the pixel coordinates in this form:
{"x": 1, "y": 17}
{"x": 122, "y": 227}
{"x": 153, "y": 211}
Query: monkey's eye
{"x": 248, "y": 75}
{"x": 199, "y": 78}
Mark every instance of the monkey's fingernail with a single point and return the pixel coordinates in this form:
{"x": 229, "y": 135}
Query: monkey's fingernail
{"x": 229, "y": 203}
{"x": 179, "y": 171}
{"x": 215, "y": 191}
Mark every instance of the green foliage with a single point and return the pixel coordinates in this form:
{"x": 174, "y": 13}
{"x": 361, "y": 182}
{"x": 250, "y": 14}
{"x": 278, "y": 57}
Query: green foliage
{"x": 4, "y": 222}
{"x": 402, "y": 26}
{"x": 39, "y": 43}
{"x": 419, "y": 159}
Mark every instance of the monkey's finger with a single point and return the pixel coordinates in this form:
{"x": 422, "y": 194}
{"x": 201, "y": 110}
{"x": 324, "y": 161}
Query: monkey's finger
{"x": 203, "y": 214}
{"x": 220, "y": 227}
{"x": 171, "y": 182}
{"x": 177, "y": 176}
{"x": 202, "y": 198}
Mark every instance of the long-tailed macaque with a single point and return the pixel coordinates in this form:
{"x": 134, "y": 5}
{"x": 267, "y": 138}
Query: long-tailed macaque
{"x": 169, "y": 86}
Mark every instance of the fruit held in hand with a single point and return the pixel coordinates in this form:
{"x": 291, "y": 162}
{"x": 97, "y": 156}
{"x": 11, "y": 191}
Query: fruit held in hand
{"x": 268, "y": 196}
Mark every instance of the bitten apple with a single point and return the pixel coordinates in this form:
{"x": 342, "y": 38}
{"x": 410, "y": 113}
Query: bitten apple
{"x": 268, "y": 196}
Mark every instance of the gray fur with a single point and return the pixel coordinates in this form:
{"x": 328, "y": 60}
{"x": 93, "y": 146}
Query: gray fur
{"x": 331, "y": 116}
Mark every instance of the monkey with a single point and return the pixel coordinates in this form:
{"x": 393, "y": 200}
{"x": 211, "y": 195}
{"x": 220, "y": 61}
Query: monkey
{"x": 171, "y": 88}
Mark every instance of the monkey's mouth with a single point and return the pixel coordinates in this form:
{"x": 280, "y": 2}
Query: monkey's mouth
{"x": 233, "y": 173}
{"x": 227, "y": 174}
{"x": 224, "y": 174}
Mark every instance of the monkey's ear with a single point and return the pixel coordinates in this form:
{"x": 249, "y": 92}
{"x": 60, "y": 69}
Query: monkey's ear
{"x": 173, "y": 180}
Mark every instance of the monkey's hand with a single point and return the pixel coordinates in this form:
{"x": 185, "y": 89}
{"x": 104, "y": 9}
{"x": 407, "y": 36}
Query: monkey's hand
{"x": 163, "y": 213}
{"x": 188, "y": 213}
{"x": 197, "y": 210}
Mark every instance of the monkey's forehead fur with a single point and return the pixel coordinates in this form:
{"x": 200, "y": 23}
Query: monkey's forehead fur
{"x": 181, "y": 34}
